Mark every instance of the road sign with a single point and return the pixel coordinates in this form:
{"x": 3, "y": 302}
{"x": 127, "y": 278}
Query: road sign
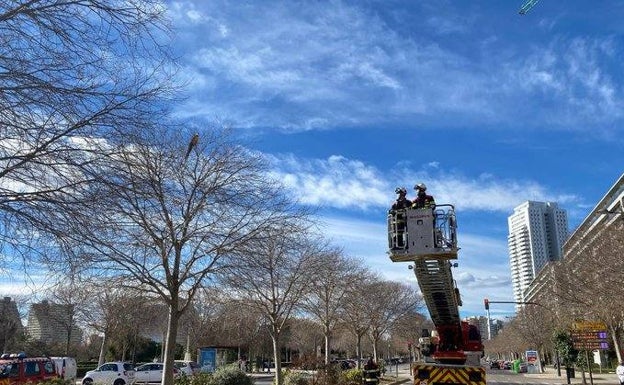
{"x": 584, "y": 345}
{"x": 589, "y": 335}
{"x": 531, "y": 356}
{"x": 589, "y": 326}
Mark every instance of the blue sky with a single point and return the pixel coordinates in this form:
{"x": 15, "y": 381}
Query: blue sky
{"x": 351, "y": 99}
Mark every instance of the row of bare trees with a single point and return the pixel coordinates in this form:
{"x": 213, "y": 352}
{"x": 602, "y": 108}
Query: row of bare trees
{"x": 583, "y": 286}
{"x": 244, "y": 316}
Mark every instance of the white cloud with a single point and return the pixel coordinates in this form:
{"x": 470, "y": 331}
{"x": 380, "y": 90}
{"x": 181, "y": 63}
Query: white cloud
{"x": 343, "y": 183}
{"x": 289, "y": 65}
{"x": 334, "y": 182}
{"x": 17, "y": 284}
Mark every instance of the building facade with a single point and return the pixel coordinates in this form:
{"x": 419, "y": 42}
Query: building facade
{"x": 580, "y": 266}
{"x": 11, "y": 327}
{"x": 537, "y": 232}
{"x": 482, "y": 323}
{"x": 53, "y": 323}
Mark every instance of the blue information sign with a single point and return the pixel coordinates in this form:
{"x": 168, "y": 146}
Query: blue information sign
{"x": 208, "y": 359}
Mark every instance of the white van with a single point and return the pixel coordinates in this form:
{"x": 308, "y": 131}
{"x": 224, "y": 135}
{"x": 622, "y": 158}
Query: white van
{"x": 66, "y": 367}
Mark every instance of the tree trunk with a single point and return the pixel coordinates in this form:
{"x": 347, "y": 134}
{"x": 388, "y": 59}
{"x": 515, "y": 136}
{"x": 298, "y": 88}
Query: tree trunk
{"x": 375, "y": 349}
{"x": 67, "y": 343}
{"x": 102, "y": 350}
{"x": 326, "y": 333}
{"x": 359, "y": 350}
{"x": 172, "y": 333}
{"x": 616, "y": 344}
{"x": 124, "y": 347}
{"x": 277, "y": 358}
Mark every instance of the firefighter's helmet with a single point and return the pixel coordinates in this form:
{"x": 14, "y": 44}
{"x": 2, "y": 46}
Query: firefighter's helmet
{"x": 420, "y": 186}
{"x": 400, "y": 190}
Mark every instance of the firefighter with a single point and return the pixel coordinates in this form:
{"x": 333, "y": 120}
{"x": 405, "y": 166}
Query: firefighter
{"x": 398, "y": 212}
{"x": 422, "y": 200}
{"x": 401, "y": 202}
{"x": 371, "y": 372}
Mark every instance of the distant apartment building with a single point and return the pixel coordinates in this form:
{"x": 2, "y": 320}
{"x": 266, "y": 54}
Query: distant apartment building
{"x": 537, "y": 232}
{"x": 495, "y": 327}
{"x": 482, "y": 323}
{"x": 10, "y": 324}
{"x": 52, "y": 323}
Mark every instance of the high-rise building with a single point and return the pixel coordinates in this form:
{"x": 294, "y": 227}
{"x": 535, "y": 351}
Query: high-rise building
{"x": 11, "y": 327}
{"x": 481, "y": 322}
{"x": 537, "y": 232}
{"x": 53, "y": 323}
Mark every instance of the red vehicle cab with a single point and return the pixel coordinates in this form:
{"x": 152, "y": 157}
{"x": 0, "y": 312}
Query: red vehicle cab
{"x": 17, "y": 369}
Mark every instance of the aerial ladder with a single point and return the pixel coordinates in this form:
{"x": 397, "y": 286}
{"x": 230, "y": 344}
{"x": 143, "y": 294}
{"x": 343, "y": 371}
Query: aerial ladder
{"x": 427, "y": 239}
{"x": 526, "y": 6}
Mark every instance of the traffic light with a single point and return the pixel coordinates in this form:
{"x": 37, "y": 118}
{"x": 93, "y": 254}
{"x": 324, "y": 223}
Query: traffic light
{"x": 486, "y": 302}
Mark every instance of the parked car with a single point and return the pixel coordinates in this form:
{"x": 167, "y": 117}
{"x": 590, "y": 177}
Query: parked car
{"x": 345, "y": 364}
{"x": 495, "y": 365}
{"x": 152, "y": 373}
{"x": 110, "y": 373}
{"x": 66, "y": 367}
{"x": 187, "y": 368}
{"x": 18, "y": 369}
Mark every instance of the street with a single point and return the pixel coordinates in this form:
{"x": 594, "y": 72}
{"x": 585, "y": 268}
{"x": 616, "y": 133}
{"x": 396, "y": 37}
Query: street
{"x": 493, "y": 376}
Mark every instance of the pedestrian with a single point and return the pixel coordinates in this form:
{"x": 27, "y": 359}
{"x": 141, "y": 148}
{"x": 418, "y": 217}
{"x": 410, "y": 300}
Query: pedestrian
{"x": 620, "y": 372}
{"x": 422, "y": 200}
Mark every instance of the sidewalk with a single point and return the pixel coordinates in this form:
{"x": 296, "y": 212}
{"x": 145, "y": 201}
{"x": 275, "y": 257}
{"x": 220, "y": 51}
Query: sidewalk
{"x": 606, "y": 377}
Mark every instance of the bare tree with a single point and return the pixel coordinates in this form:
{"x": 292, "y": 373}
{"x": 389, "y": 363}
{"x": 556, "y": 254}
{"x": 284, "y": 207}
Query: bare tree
{"x": 337, "y": 276}
{"x": 165, "y": 223}
{"x": 116, "y": 315}
{"x": 356, "y": 311}
{"x": 306, "y": 338}
{"x": 71, "y": 294}
{"x": 508, "y": 343}
{"x": 408, "y": 328}
{"x": 202, "y": 318}
{"x": 238, "y": 326}
{"x": 70, "y": 71}
{"x": 388, "y": 302}
{"x": 275, "y": 274}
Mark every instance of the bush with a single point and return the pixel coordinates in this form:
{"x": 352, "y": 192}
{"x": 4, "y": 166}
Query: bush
{"x": 230, "y": 375}
{"x": 55, "y": 381}
{"x": 295, "y": 378}
{"x": 353, "y": 376}
{"x": 330, "y": 375}
{"x": 196, "y": 379}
